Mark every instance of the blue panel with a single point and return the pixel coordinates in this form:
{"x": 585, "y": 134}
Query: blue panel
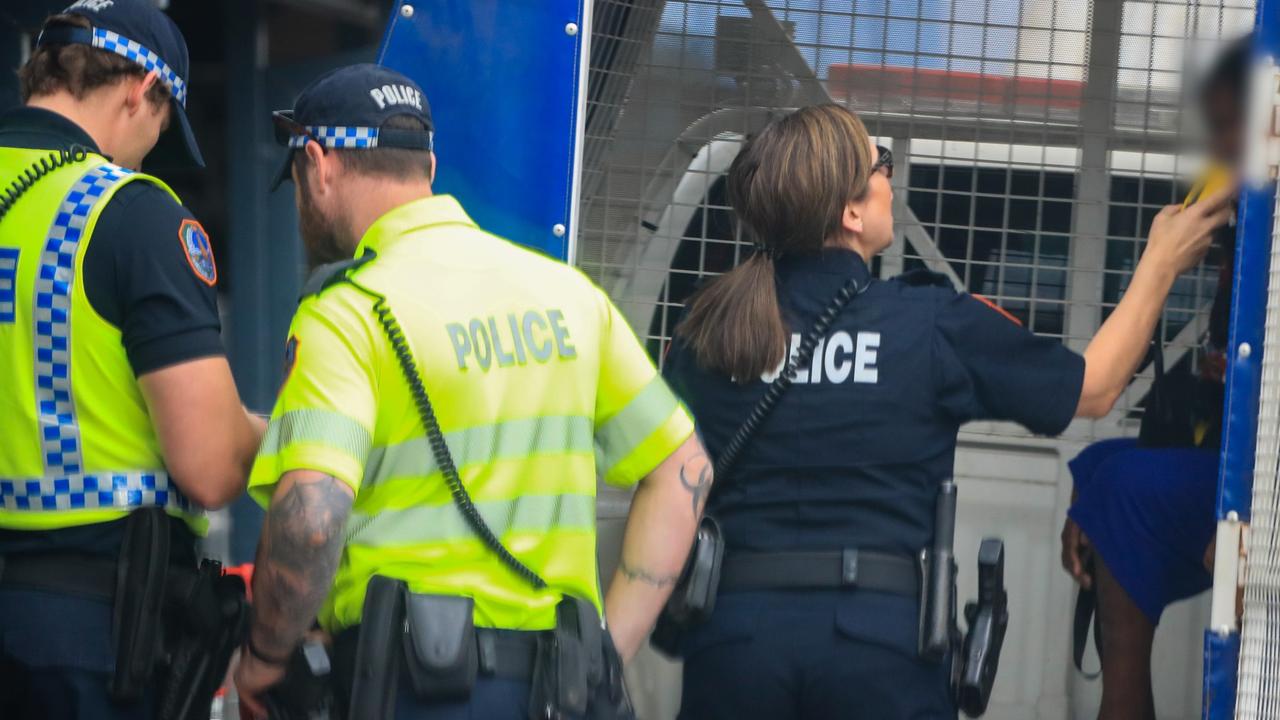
{"x": 503, "y": 82}
{"x": 1248, "y": 311}
{"x": 8, "y": 283}
{"x": 1221, "y": 660}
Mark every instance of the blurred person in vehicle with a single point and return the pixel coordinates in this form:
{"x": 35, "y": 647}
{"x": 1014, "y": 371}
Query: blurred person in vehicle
{"x": 1139, "y": 532}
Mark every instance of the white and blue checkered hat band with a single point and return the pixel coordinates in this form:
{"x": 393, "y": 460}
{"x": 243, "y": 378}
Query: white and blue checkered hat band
{"x": 338, "y": 137}
{"x": 124, "y": 47}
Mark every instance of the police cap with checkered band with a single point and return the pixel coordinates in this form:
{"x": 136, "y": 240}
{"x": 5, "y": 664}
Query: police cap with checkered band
{"x": 346, "y": 110}
{"x": 138, "y": 31}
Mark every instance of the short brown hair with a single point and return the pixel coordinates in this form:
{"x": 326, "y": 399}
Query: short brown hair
{"x": 79, "y": 69}
{"x": 393, "y": 163}
{"x": 790, "y": 186}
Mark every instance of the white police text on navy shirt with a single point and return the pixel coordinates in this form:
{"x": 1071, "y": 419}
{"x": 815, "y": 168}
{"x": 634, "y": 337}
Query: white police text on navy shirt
{"x": 838, "y": 358}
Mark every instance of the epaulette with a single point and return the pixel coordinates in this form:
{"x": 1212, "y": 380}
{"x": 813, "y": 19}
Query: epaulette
{"x": 330, "y": 274}
{"x": 922, "y": 278}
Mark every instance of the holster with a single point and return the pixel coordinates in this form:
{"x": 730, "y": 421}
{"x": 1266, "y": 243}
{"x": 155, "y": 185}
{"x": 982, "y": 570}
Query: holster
{"x": 988, "y": 618}
{"x": 137, "y": 631}
{"x": 376, "y": 669}
{"x": 694, "y": 597}
{"x": 440, "y": 646}
{"x": 578, "y": 672}
{"x": 207, "y": 621}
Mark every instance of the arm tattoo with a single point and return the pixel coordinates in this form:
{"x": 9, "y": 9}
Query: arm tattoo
{"x": 297, "y": 558}
{"x": 646, "y": 577}
{"x": 701, "y": 485}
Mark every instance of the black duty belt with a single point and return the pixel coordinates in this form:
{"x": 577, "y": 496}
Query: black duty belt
{"x": 506, "y": 654}
{"x": 830, "y": 569}
{"x": 78, "y": 574}
{"x": 65, "y": 573}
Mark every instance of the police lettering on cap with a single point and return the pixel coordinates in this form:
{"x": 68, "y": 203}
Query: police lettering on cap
{"x": 347, "y": 109}
{"x": 139, "y": 32}
{"x": 396, "y": 95}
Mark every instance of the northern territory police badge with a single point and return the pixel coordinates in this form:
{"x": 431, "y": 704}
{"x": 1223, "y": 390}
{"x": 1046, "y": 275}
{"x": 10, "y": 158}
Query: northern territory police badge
{"x": 195, "y": 243}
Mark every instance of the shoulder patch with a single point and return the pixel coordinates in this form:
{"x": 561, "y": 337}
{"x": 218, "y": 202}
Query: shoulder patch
{"x": 195, "y": 243}
{"x": 1007, "y": 315}
{"x": 920, "y": 278}
{"x": 290, "y": 359}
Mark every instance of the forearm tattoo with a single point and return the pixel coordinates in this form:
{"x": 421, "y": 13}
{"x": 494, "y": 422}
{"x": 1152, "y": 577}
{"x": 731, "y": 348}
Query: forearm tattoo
{"x": 646, "y": 577}
{"x": 695, "y": 476}
{"x": 297, "y": 559}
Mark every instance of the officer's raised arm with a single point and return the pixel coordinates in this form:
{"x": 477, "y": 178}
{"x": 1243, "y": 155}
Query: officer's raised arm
{"x": 1178, "y": 240}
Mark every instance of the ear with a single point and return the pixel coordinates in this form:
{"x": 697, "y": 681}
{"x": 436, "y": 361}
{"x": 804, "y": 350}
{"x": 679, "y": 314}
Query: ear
{"x": 851, "y": 221}
{"x": 431, "y": 178}
{"x": 136, "y": 99}
{"x": 320, "y": 167}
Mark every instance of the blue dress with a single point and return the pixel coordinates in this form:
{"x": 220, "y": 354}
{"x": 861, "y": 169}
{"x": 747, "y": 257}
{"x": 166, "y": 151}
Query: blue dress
{"x": 1149, "y": 514}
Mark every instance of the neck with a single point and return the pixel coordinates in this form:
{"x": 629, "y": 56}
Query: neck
{"x": 86, "y": 113}
{"x": 371, "y": 198}
{"x": 855, "y": 244}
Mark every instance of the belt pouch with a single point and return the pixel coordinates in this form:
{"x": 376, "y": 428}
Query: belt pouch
{"x": 137, "y": 615}
{"x": 440, "y": 647}
{"x": 377, "y": 661}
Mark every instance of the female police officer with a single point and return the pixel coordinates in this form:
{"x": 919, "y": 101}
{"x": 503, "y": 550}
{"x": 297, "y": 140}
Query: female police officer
{"x": 853, "y": 456}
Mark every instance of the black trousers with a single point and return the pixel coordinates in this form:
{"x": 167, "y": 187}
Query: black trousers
{"x": 56, "y": 659}
{"x": 812, "y": 656}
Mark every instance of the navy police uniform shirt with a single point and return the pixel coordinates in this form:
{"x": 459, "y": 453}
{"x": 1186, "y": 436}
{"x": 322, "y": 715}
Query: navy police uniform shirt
{"x": 137, "y": 276}
{"x": 853, "y": 454}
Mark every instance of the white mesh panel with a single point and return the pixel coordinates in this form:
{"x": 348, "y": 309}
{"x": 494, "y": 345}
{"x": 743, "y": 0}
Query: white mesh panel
{"x": 1259, "y": 680}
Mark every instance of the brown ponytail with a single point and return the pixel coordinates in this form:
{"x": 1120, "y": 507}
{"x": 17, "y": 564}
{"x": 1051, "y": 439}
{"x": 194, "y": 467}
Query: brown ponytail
{"x": 789, "y": 186}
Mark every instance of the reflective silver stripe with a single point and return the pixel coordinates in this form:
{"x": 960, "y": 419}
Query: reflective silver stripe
{"x": 440, "y": 523}
{"x": 93, "y": 491}
{"x": 321, "y": 427}
{"x": 632, "y": 425}
{"x": 481, "y": 444}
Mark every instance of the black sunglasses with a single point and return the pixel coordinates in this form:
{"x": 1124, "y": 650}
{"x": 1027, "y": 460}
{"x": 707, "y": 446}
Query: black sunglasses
{"x": 286, "y": 128}
{"x": 885, "y": 160}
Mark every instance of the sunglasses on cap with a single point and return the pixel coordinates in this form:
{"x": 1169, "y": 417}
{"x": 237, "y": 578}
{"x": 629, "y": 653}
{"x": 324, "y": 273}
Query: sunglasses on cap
{"x": 287, "y": 129}
{"x": 884, "y": 161}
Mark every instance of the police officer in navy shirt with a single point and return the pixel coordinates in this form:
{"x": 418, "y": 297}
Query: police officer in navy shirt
{"x": 854, "y": 453}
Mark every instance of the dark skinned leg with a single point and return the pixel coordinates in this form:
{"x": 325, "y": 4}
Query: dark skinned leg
{"x": 1127, "y": 635}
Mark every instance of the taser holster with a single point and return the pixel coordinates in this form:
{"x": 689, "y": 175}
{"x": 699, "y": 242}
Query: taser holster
{"x": 136, "y": 626}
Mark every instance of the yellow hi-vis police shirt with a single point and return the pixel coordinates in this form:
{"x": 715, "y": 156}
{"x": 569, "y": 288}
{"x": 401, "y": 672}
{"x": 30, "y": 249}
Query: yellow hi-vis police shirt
{"x": 539, "y": 386}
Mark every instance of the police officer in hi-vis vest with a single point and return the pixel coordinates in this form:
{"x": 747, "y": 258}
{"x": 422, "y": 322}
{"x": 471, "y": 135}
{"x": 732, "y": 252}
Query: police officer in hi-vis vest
{"x": 450, "y": 399}
{"x": 121, "y": 420}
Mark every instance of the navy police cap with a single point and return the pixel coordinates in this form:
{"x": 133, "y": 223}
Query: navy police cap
{"x": 137, "y": 31}
{"x": 346, "y": 110}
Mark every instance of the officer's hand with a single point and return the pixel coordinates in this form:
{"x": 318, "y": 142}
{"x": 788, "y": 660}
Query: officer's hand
{"x": 1180, "y": 238}
{"x": 1075, "y": 553}
{"x": 254, "y": 677}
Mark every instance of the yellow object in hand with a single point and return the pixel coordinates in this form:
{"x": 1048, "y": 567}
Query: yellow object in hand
{"x": 1210, "y": 181}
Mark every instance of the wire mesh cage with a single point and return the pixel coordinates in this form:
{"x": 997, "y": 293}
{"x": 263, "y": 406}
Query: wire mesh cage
{"x": 1034, "y": 142}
